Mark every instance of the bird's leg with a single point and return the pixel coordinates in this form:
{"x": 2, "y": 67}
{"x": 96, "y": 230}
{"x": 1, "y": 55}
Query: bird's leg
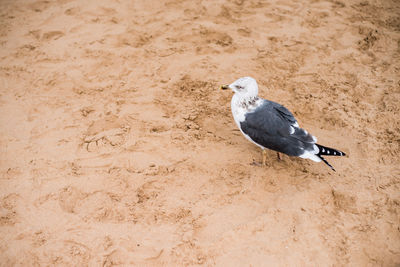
{"x": 264, "y": 157}
{"x": 279, "y": 155}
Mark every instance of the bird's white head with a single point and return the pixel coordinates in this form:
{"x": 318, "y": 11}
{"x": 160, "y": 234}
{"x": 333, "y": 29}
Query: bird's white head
{"x": 245, "y": 87}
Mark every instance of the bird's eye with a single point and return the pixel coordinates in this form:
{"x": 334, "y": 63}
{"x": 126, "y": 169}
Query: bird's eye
{"x": 239, "y": 87}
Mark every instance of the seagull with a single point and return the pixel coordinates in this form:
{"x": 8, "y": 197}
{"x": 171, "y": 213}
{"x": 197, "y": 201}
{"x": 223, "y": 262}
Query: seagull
{"x": 270, "y": 125}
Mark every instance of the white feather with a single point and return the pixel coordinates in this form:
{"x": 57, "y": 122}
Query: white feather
{"x": 310, "y": 155}
{"x": 239, "y": 112}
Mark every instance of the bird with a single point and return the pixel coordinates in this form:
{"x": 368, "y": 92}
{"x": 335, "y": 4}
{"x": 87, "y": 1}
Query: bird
{"x": 270, "y": 125}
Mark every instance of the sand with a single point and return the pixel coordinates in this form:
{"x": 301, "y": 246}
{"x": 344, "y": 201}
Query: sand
{"x": 118, "y": 148}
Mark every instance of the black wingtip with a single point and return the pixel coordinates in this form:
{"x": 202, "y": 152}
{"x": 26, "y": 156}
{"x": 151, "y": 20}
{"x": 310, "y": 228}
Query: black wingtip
{"x": 326, "y": 162}
{"x": 328, "y": 151}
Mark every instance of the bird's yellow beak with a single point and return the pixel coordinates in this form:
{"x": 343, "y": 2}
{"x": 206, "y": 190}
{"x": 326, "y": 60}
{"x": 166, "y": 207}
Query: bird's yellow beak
{"x": 224, "y": 87}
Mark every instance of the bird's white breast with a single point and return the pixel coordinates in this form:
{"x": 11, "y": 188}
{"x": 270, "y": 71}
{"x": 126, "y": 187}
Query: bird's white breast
{"x": 240, "y": 107}
{"x": 239, "y": 111}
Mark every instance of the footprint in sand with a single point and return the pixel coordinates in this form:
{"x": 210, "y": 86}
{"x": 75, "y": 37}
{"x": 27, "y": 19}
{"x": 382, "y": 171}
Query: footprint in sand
{"x": 108, "y": 131}
{"x": 52, "y": 35}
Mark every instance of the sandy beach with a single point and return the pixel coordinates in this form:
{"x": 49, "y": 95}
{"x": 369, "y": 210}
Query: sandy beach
{"x": 117, "y": 147}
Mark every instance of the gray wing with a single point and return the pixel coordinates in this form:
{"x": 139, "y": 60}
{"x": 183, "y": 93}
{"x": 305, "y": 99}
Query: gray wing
{"x": 273, "y": 126}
